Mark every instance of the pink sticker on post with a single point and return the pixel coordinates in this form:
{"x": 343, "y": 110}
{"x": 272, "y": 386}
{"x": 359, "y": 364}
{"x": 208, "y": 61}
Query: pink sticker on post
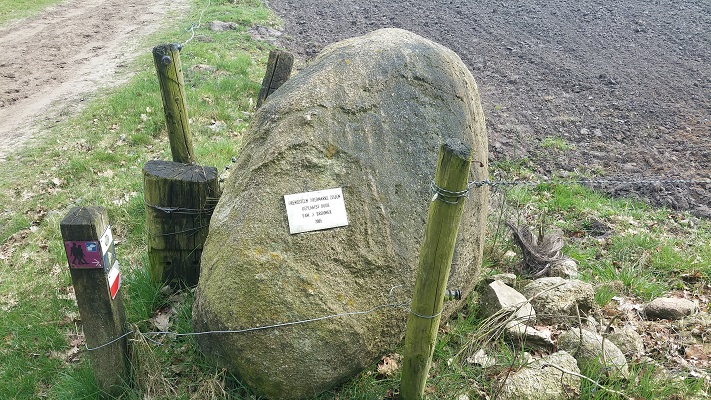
{"x": 84, "y": 254}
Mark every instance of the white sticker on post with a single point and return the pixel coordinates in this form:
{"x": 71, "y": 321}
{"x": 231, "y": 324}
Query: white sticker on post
{"x": 106, "y": 240}
{"x": 314, "y": 211}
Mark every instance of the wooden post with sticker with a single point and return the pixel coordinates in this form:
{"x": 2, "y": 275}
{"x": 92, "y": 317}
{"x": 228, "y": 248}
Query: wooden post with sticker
{"x": 450, "y": 188}
{"x": 172, "y": 87}
{"x": 91, "y": 255}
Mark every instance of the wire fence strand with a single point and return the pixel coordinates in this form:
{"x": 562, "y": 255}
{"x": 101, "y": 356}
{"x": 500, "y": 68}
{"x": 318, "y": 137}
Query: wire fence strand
{"x": 590, "y": 182}
{"x": 197, "y": 25}
{"x": 147, "y": 335}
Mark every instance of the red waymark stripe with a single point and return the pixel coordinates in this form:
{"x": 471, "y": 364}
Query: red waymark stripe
{"x": 115, "y": 284}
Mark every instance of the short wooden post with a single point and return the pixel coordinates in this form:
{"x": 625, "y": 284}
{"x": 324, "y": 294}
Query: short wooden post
{"x": 445, "y": 212}
{"x": 179, "y": 200}
{"x": 170, "y": 75}
{"x": 91, "y": 261}
{"x": 278, "y": 71}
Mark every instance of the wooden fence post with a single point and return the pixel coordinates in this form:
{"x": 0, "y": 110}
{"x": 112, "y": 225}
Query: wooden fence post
{"x": 170, "y": 75}
{"x": 278, "y": 71}
{"x": 179, "y": 200}
{"x": 92, "y": 264}
{"x": 450, "y": 188}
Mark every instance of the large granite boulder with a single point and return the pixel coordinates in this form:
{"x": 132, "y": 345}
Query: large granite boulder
{"x": 367, "y": 115}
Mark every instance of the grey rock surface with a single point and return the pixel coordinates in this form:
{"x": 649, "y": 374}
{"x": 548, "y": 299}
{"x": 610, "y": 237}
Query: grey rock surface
{"x": 560, "y": 298}
{"x": 367, "y": 115}
{"x": 497, "y": 298}
{"x": 629, "y": 341}
{"x": 541, "y": 381}
{"x": 595, "y": 355}
{"x": 670, "y": 308}
{"x": 565, "y": 267}
{"x": 509, "y": 279}
{"x": 530, "y": 337}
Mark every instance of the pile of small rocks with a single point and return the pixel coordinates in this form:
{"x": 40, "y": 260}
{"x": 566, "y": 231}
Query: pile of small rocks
{"x": 565, "y": 337}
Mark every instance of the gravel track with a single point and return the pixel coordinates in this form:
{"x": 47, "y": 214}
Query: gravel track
{"x": 49, "y": 62}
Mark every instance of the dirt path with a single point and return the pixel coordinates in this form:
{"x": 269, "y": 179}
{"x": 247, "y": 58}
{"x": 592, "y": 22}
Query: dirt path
{"x": 49, "y": 62}
{"x": 627, "y": 82}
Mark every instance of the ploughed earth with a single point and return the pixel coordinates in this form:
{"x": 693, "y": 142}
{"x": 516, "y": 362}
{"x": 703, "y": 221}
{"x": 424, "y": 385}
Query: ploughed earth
{"x": 616, "y": 90}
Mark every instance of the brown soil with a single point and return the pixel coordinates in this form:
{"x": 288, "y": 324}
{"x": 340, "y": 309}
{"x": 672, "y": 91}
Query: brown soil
{"x": 627, "y": 82}
{"x": 50, "y": 62}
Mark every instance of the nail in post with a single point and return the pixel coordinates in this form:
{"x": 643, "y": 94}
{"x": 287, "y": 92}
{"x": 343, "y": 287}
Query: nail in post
{"x": 91, "y": 256}
{"x": 443, "y": 219}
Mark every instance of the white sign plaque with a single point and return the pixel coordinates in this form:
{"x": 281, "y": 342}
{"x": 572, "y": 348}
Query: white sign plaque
{"x": 314, "y": 211}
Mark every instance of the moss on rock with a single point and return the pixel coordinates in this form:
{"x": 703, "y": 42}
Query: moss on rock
{"x": 367, "y": 116}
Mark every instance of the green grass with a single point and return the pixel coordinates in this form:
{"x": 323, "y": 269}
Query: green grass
{"x": 555, "y": 143}
{"x": 11, "y": 10}
{"x": 646, "y": 249}
{"x": 649, "y": 384}
{"x": 97, "y": 159}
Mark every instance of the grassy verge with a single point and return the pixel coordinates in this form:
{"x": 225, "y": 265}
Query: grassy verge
{"x": 97, "y": 158}
{"x": 12, "y": 10}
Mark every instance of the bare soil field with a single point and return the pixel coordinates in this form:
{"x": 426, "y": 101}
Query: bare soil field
{"x": 626, "y": 83}
{"x": 49, "y": 62}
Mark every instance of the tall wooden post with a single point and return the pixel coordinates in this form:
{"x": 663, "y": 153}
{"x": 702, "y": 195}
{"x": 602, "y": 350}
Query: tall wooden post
{"x": 170, "y": 74}
{"x": 93, "y": 267}
{"x": 450, "y": 187}
{"x": 278, "y": 71}
{"x": 179, "y": 200}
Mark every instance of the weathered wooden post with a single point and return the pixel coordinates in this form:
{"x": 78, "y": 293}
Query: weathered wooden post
{"x": 179, "y": 196}
{"x": 170, "y": 75}
{"x": 96, "y": 279}
{"x": 450, "y": 188}
{"x": 179, "y": 200}
{"x": 278, "y": 71}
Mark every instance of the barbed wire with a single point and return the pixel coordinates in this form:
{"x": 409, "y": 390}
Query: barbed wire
{"x": 441, "y": 194}
{"x": 181, "y": 210}
{"x": 108, "y": 343}
{"x": 445, "y": 195}
{"x": 591, "y": 182}
{"x": 185, "y": 231}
